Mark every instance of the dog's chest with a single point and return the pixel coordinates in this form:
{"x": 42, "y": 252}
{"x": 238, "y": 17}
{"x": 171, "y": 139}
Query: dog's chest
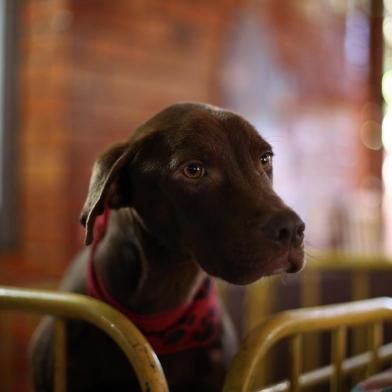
{"x": 195, "y": 323}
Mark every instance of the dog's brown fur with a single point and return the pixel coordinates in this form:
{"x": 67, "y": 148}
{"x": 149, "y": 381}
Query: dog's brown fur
{"x": 167, "y": 231}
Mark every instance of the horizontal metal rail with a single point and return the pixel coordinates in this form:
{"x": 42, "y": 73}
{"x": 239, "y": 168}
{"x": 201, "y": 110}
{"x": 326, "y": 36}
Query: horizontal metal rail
{"x": 293, "y": 322}
{"x": 332, "y": 261}
{"x": 68, "y": 305}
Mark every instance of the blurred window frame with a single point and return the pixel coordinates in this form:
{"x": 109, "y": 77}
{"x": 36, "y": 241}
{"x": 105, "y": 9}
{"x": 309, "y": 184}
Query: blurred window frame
{"x": 8, "y": 123}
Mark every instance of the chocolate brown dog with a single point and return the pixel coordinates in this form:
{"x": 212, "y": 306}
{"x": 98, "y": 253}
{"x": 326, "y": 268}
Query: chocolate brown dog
{"x": 188, "y": 197}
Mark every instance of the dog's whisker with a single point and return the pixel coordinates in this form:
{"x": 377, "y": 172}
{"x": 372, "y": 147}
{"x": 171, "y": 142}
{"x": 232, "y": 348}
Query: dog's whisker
{"x": 312, "y": 256}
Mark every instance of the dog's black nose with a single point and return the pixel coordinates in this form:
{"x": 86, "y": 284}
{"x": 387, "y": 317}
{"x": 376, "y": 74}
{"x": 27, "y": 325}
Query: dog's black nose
{"x": 285, "y": 228}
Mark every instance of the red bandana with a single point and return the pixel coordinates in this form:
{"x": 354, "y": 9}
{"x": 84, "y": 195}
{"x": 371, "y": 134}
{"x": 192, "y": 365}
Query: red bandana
{"x": 191, "y": 325}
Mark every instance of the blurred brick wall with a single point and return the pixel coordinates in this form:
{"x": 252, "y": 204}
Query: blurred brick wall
{"x": 43, "y": 138}
{"x": 90, "y": 72}
{"x": 131, "y": 59}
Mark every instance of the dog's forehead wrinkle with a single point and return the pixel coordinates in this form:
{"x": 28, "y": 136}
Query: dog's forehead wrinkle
{"x": 151, "y": 165}
{"x": 200, "y": 139}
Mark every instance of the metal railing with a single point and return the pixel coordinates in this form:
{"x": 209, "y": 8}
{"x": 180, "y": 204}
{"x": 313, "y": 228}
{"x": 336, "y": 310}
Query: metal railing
{"x": 64, "y": 305}
{"x": 293, "y": 324}
{"x": 310, "y": 289}
{"x": 262, "y": 298}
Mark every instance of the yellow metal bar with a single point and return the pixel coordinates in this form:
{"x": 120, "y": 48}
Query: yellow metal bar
{"x": 360, "y": 290}
{"x": 327, "y": 261}
{"x": 60, "y": 356}
{"x": 69, "y": 305}
{"x": 243, "y": 368}
{"x": 259, "y": 302}
{"x": 311, "y": 296}
{"x": 375, "y": 341}
{"x": 360, "y": 285}
{"x": 295, "y": 349}
{"x": 337, "y": 356}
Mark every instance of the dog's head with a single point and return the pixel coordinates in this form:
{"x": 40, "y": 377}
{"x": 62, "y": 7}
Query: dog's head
{"x": 200, "y": 179}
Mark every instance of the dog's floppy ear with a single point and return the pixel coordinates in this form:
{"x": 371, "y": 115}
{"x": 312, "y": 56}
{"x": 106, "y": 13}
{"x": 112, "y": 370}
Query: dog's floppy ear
{"x": 105, "y": 186}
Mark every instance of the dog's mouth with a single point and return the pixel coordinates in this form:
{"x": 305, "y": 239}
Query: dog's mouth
{"x": 293, "y": 261}
{"x": 290, "y": 261}
{"x": 248, "y": 270}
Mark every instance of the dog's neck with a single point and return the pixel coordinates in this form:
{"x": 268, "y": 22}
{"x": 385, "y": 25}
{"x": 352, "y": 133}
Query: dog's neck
{"x": 145, "y": 283}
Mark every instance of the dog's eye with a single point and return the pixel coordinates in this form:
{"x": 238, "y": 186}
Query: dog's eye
{"x": 194, "y": 170}
{"x": 266, "y": 160}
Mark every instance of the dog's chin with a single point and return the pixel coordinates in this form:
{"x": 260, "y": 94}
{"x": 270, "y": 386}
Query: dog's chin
{"x": 249, "y": 271}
